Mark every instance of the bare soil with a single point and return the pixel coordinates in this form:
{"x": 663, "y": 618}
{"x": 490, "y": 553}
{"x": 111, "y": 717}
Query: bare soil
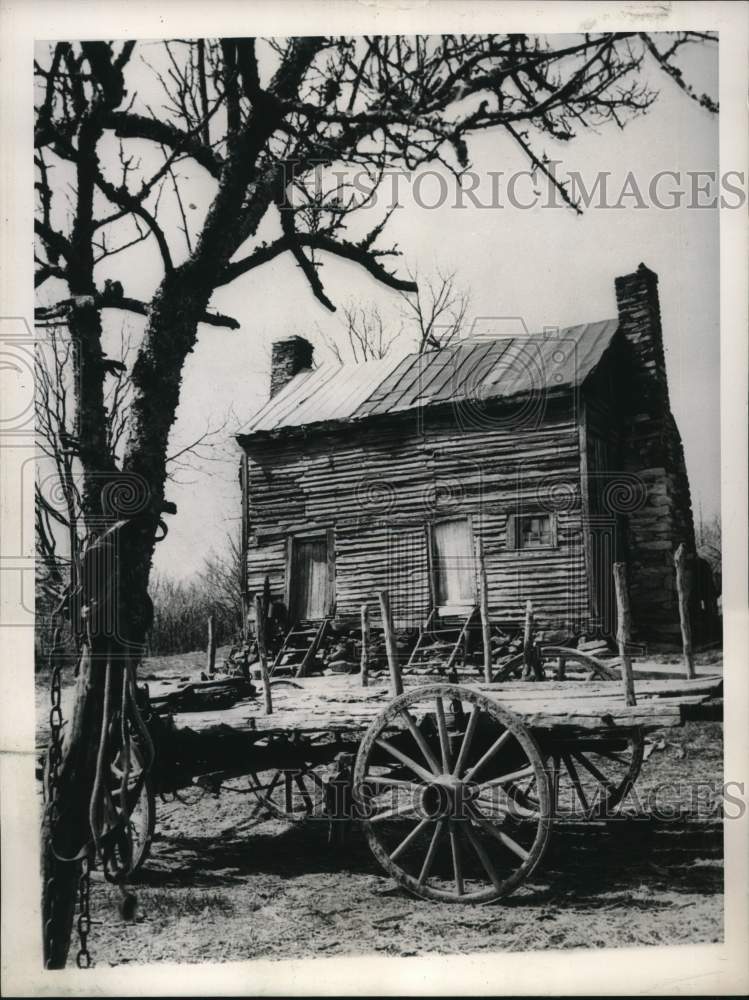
{"x": 220, "y": 886}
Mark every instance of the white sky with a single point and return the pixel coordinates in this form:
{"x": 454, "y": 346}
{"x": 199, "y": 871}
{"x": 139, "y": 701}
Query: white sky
{"x": 547, "y": 265}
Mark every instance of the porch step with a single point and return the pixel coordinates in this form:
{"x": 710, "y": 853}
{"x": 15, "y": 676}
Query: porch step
{"x": 450, "y": 648}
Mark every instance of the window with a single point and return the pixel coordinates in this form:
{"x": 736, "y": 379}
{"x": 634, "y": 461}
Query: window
{"x": 535, "y": 531}
{"x": 531, "y": 531}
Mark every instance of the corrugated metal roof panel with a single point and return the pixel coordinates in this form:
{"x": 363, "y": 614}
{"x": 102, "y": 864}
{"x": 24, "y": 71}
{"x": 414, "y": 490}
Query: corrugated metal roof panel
{"x": 472, "y": 369}
{"x": 330, "y": 392}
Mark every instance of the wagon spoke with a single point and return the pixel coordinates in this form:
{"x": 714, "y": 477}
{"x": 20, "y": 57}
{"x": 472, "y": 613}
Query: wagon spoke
{"x": 257, "y": 788}
{"x": 505, "y": 779}
{"x": 383, "y": 779}
{"x": 457, "y": 860}
{"x": 467, "y": 740}
{"x": 505, "y": 809}
{"x": 309, "y": 772}
{"x": 410, "y": 838}
{"x": 483, "y": 858}
{"x": 493, "y": 749}
{"x": 444, "y": 741}
{"x": 429, "y": 859}
{"x": 288, "y": 800}
{"x": 421, "y": 742}
{"x": 576, "y": 781}
{"x": 499, "y": 835}
{"x": 405, "y": 759}
{"x": 303, "y": 792}
{"x": 592, "y": 769}
{"x": 394, "y": 812}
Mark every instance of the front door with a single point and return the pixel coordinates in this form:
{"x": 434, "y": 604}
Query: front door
{"x": 454, "y": 568}
{"x": 310, "y": 584}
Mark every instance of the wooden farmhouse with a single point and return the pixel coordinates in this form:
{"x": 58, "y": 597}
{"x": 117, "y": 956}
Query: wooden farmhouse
{"x": 553, "y": 455}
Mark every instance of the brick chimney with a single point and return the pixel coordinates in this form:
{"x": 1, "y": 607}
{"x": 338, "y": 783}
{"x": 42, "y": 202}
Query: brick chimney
{"x": 652, "y": 450}
{"x": 288, "y": 357}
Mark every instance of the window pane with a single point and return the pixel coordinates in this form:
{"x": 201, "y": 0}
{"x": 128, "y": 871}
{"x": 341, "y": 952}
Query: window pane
{"x": 535, "y": 531}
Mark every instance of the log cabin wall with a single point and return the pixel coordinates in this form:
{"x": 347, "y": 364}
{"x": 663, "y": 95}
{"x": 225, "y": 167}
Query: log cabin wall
{"x": 381, "y": 482}
{"x": 609, "y": 490}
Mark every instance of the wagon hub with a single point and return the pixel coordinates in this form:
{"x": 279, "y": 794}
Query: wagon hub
{"x": 445, "y": 797}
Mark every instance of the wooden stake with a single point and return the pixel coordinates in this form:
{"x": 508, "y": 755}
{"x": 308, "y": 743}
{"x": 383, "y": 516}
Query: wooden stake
{"x": 244, "y": 543}
{"x": 484, "y": 608}
{"x": 364, "y": 646}
{"x": 390, "y": 646}
{"x": 528, "y": 640}
{"x": 261, "y": 653}
{"x": 624, "y": 631}
{"x": 683, "y": 588}
{"x": 210, "y": 656}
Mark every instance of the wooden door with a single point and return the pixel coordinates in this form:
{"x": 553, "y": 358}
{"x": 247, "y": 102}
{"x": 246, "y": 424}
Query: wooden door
{"x": 310, "y": 585}
{"x": 454, "y": 565}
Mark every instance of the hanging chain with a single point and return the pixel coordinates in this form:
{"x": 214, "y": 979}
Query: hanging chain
{"x": 83, "y": 959}
{"x": 55, "y": 726}
{"x": 54, "y": 754}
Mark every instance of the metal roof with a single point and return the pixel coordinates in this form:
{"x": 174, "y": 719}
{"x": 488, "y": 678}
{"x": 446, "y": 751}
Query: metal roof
{"x": 478, "y": 369}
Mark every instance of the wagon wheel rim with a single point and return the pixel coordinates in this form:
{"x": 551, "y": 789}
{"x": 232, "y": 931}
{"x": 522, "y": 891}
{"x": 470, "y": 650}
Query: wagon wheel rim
{"x": 430, "y": 786}
{"x": 141, "y": 821}
{"x": 590, "y": 668}
{"x": 590, "y": 776}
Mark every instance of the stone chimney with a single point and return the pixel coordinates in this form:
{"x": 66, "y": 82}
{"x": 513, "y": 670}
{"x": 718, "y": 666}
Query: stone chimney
{"x": 289, "y": 357}
{"x": 651, "y": 450}
{"x": 640, "y": 322}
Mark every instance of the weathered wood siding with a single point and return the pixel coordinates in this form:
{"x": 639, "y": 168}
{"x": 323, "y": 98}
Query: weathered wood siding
{"x": 380, "y": 483}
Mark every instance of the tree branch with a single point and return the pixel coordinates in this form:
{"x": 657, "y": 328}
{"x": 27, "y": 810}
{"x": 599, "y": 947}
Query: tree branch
{"x": 318, "y": 241}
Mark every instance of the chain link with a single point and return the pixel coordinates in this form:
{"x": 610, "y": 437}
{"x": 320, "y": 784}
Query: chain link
{"x": 54, "y": 759}
{"x": 55, "y": 726}
{"x": 83, "y": 959}
{"x": 54, "y": 755}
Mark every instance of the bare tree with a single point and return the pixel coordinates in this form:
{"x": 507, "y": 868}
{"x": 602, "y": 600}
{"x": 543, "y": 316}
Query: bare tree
{"x": 365, "y": 335}
{"x": 221, "y": 578}
{"x": 439, "y": 308}
{"x": 262, "y": 119}
{"x": 58, "y": 505}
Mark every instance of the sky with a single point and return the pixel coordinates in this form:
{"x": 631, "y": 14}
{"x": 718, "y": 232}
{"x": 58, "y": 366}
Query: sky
{"x": 547, "y": 265}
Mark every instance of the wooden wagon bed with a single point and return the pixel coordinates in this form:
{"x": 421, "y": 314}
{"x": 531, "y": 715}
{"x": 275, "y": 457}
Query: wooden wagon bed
{"x": 339, "y": 704}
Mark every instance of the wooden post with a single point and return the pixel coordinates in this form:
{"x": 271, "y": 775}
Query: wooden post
{"x": 528, "y": 640}
{"x": 392, "y": 651}
{"x": 244, "y": 543}
{"x": 261, "y": 653}
{"x": 624, "y": 631}
{"x": 210, "y": 656}
{"x": 683, "y": 588}
{"x": 484, "y": 609}
{"x": 364, "y": 645}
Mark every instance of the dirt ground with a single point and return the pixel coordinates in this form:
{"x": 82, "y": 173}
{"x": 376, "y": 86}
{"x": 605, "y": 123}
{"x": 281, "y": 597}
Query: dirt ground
{"x": 219, "y": 886}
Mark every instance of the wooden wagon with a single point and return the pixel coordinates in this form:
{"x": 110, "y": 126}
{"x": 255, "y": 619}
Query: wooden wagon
{"x": 457, "y": 786}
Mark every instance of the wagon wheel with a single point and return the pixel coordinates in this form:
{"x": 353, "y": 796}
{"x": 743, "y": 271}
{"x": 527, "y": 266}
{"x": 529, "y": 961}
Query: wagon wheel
{"x": 432, "y": 785}
{"x": 560, "y": 662}
{"x": 295, "y": 794}
{"x": 141, "y": 821}
{"x": 589, "y": 775}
